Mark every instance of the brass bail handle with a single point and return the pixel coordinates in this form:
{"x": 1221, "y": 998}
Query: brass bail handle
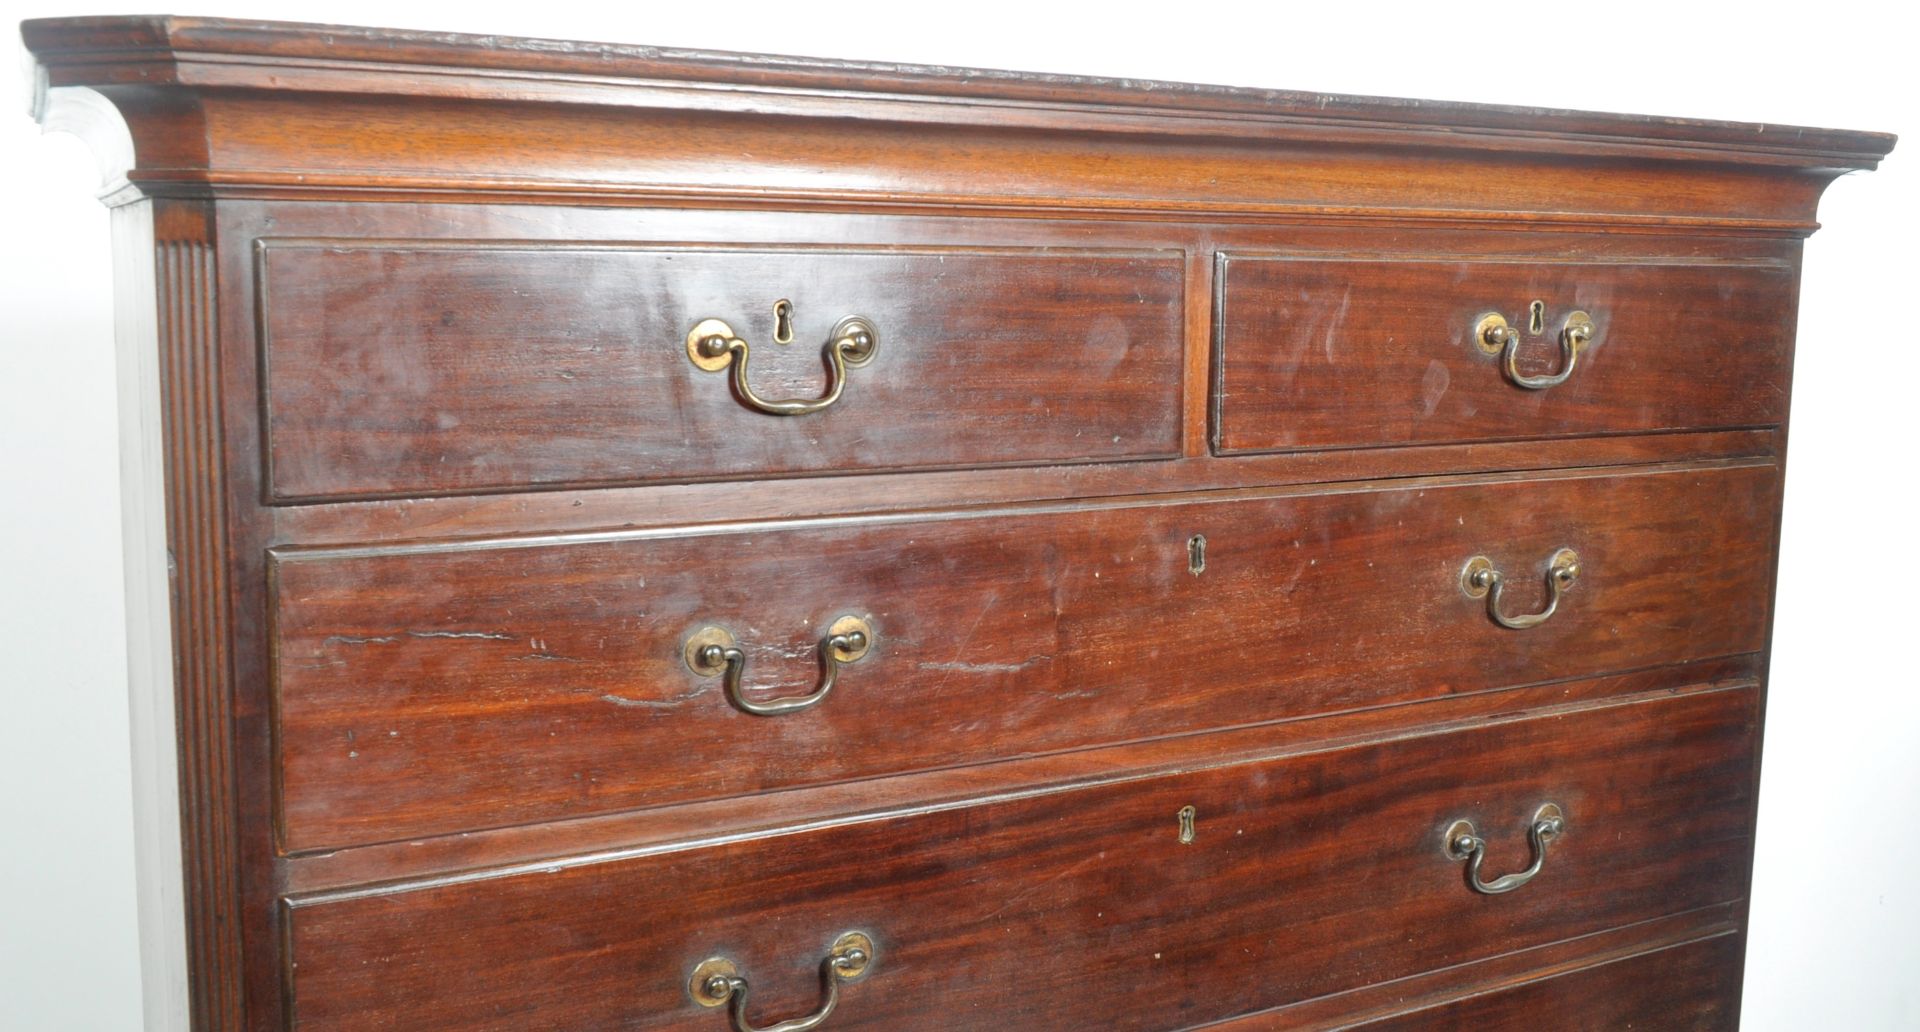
{"x": 1463, "y": 843}
{"x": 1481, "y": 579}
{"x": 1496, "y": 337}
{"x": 712, "y": 651}
{"x": 713, "y": 346}
{"x": 717, "y": 981}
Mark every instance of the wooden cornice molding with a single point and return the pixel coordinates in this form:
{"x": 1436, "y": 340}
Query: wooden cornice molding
{"x": 192, "y": 49}
{"x": 286, "y": 108}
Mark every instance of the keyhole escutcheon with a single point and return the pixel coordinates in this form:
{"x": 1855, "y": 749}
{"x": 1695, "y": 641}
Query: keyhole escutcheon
{"x": 783, "y": 321}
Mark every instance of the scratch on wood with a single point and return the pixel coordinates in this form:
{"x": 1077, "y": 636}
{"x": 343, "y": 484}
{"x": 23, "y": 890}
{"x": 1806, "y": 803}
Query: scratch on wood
{"x": 347, "y": 639}
{"x": 988, "y": 668}
{"x": 1030, "y": 890}
{"x": 627, "y": 703}
{"x": 967, "y": 638}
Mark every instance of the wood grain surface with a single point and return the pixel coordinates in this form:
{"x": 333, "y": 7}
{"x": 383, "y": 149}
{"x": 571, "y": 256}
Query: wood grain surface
{"x": 430, "y": 689}
{"x": 1081, "y": 909}
{"x": 1314, "y": 352}
{"x": 1678, "y": 989}
{"x": 411, "y": 368}
{"x": 444, "y": 497}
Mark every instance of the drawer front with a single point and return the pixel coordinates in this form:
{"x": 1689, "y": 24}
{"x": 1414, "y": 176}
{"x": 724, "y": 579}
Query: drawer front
{"x": 1082, "y": 908}
{"x": 1318, "y": 352}
{"x": 1689, "y": 988}
{"x": 433, "y": 689}
{"x": 419, "y": 368}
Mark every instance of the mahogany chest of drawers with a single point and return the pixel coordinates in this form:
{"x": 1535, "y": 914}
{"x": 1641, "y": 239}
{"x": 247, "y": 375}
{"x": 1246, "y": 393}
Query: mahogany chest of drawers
{"x": 670, "y": 540}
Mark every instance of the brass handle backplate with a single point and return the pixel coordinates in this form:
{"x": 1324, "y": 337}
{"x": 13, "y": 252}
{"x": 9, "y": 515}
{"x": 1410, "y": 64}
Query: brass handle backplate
{"x": 713, "y": 346}
{"x": 1496, "y": 337}
{"x": 712, "y": 651}
{"x": 717, "y": 981}
{"x": 1463, "y": 843}
{"x": 1481, "y": 579}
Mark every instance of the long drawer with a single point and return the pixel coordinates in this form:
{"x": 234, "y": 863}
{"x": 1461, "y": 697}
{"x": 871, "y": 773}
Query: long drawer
{"x": 1321, "y": 351}
{"x": 411, "y": 367}
{"x": 1151, "y": 903}
{"x": 429, "y": 689}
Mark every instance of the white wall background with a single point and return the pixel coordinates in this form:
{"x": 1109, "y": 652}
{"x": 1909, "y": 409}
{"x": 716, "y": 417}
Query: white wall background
{"x": 1836, "y": 903}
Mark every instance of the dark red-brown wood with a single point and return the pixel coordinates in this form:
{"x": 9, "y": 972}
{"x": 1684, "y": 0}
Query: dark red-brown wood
{"x": 73, "y": 44}
{"x": 743, "y": 816}
{"x": 176, "y": 242}
{"x": 1588, "y": 960}
{"x": 1677, "y": 989}
{"x": 410, "y": 368}
{"x": 1082, "y": 909}
{"x": 402, "y": 147}
{"x": 1317, "y": 352}
{"x": 444, "y": 688}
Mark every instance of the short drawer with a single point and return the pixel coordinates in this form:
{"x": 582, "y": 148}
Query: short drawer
{"x": 1318, "y": 352}
{"x": 436, "y": 688}
{"x": 1148, "y": 904}
{"x": 403, "y": 368}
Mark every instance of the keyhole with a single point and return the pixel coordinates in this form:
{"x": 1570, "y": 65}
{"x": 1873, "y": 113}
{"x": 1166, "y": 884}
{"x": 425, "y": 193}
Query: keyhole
{"x": 1196, "y": 554}
{"x": 1187, "y": 814}
{"x": 783, "y": 321}
{"x": 1536, "y": 317}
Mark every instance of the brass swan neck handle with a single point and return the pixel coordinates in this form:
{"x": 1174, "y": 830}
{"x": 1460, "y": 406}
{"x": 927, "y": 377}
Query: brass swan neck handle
{"x": 713, "y": 346}
{"x": 1463, "y": 843}
{"x": 1481, "y": 579}
{"x": 717, "y": 981}
{"x": 712, "y": 651}
{"x": 1495, "y": 336}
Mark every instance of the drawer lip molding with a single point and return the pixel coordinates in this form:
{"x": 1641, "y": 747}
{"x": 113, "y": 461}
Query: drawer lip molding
{"x": 1663, "y": 781}
{"x": 1622, "y": 972}
{"x": 392, "y": 368}
{"x": 1682, "y": 984}
{"x": 425, "y": 545}
{"x": 591, "y": 510}
{"x": 439, "y": 689}
{"x": 1317, "y": 352}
